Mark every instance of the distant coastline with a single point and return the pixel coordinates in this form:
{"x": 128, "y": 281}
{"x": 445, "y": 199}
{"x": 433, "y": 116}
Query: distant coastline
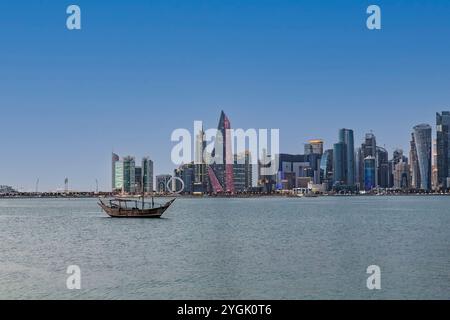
{"x": 91, "y": 195}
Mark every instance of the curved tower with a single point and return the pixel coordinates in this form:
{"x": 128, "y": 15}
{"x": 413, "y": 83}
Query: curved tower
{"x": 422, "y": 139}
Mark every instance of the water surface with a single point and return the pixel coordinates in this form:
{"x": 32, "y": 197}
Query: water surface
{"x": 268, "y": 248}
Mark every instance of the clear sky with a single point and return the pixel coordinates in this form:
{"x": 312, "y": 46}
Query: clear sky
{"x": 140, "y": 69}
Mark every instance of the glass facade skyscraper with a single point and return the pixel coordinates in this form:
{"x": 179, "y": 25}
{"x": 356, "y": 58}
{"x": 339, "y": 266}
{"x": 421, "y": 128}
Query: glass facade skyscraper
{"x": 397, "y": 157}
{"x": 423, "y": 141}
{"x": 221, "y": 173}
{"x": 200, "y": 183}
{"x": 344, "y": 159}
{"x": 129, "y": 175}
{"x": 339, "y": 163}
{"x": 368, "y": 149}
{"x": 147, "y": 174}
{"x": 138, "y": 179}
{"x": 326, "y": 168}
{"x": 369, "y": 146}
{"x": 382, "y": 167}
{"x": 414, "y": 164}
{"x": 118, "y": 175}
{"x": 369, "y": 173}
{"x": 442, "y": 148}
{"x": 346, "y": 136}
{"x": 129, "y": 178}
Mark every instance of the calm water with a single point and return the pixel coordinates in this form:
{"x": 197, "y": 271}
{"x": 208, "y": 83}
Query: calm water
{"x": 317, "y": 248}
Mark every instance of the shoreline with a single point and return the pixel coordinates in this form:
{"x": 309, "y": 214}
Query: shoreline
{"x": 256, "y": 196}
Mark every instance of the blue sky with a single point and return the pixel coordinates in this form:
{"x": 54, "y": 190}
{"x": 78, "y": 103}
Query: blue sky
{"x": 140, "y": 69}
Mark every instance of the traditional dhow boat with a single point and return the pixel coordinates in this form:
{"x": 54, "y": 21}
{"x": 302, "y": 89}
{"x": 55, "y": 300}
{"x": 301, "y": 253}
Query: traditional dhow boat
{"x": 122, "y": 208}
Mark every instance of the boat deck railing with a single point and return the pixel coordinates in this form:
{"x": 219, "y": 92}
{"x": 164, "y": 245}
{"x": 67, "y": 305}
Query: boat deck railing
{"x": 133, "y": 204}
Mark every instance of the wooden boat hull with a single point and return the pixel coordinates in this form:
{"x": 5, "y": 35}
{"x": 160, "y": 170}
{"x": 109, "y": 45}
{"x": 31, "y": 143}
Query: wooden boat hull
{"x": 135, "y": 213}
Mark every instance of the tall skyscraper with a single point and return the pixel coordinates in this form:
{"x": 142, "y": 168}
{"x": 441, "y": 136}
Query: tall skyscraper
{"x": 397, "y": 157}
{"x": 359, "y": 168}
{"x": 114, "y": 159}
{"x": 402, "y": 175}
{"x": 326, "y": 168}
{"x": 129, "y": 178}
{"x": 368, "y": 149}
{"x": 382, "y": 167}
{"x": 422, "y": 138}
{"x": 239, "y": 172}
{"x": 221, "y": 174}
{"x": 138, "y": 179}
{"x": 118, "y": 178}
{"x": 313, "y": 153}
{"x": 129, "y": 175}
{"x": 248, "y": 169}
{"x": 147, "y": 174}
{"x": 369, "y": 173}
{"x": 200, "y": 182}
{"x": 339, "y": 163}
{"x": 344, "y": 159}
{"x": 443, "y": 148}
{"x": 414, "y": 164}
{"x": 434, "y": 168}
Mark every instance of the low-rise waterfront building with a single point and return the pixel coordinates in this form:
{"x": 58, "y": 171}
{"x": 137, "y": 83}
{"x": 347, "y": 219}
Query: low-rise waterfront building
{"x": 7, "y": 189}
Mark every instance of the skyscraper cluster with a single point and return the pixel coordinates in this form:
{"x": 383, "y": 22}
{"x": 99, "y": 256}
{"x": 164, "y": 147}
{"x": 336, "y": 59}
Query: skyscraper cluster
{"x": 129, "y": 178}
{"x": 368, "y": 167}
{"x": 343, "y": 168}
{"x": 231, "y": 175}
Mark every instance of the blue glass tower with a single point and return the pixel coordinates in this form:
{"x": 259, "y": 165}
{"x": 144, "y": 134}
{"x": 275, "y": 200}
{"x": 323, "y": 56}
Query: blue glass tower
{"x": 369, "y": 173}
{"x": 326, "y": 167}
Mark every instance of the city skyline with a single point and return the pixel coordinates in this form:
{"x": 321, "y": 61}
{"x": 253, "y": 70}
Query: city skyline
{"x": 342, "y": 135}
{"x": 342, "y": 169}
{"x": 306, "y": 68}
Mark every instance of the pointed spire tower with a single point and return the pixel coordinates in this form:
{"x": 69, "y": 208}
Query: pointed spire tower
{"x": 221, "y": 174}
